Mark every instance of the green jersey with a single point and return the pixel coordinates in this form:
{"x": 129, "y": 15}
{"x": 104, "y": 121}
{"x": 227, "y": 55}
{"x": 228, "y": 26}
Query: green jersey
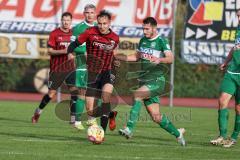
{"x": 81, "y": 50}
{"x": 150, "y": 48}
{"x": 77, "y": 30}
{"x": 234, "y": 65}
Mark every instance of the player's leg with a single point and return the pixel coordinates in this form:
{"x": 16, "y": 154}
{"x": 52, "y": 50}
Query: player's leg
{"x": 236, "y": 130}
{"x": 55, "y": 80}
{"x": 152, "y": 106}
{"x": 140, "y": 94}
{"x": 106, "y": 106}
{"x": 81, "y": 83}
{"x": 227, "y": 88}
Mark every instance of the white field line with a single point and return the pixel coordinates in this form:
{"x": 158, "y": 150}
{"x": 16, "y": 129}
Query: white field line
{"x": 14, "y": 153}
{"x": 188, "y": 147}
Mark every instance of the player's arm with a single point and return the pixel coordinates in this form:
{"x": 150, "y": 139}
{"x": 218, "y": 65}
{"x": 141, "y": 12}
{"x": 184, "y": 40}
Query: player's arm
{"x": 54, "y": 52}
{"x": 52, "y": 45}
{"x": 228, "y": 59}
{"x": 122, "y": 57}
{"x": 168, "y": 59}
{"x": 168, "y": 55}
{"x": 79, "y": 41}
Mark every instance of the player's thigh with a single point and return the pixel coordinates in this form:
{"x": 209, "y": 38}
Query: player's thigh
{"x": 81, "y": 77}
{"x": 106, "y": 92}
{"x": 142, "y": 93}
{"x": 70, "y": 79}
{"x": 157, "y": 86}
{"x": 55, "y": 80}
{"x": 228, "y": 84}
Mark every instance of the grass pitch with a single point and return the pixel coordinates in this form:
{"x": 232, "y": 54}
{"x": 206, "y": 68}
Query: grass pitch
{"x": 52, "y": 138}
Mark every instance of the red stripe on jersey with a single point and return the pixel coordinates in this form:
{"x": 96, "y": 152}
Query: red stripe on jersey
{"x": 99, "y": 48}
{"x": 59, "y": 40}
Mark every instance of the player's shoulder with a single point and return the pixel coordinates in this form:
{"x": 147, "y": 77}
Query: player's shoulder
{"x": 79, "y": 25}
{"x": 56, "y": 30}
{"x": 114, "y": 35}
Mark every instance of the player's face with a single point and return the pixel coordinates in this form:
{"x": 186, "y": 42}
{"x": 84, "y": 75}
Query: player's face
{"x": 103, "y": 24}
{"x": 90, "y": 15}
{"x": 149, "y": 31}
{"x": 66, "y": 22}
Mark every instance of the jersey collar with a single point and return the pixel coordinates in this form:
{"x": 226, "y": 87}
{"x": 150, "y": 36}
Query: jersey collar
{"x": 91, "y": 25}
{"x": 154, "y": 37}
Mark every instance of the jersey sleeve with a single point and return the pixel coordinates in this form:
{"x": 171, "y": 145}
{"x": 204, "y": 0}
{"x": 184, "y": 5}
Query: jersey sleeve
{"x": 165, "y": 45}
{"x": 51, "y": 40}
{"x": 77, "y": 30}
{"x": 116, "y": 42}
{"x": 83, "y": 37}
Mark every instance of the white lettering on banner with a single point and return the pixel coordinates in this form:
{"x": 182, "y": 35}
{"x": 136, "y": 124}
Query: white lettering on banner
{"x": 232, "y": 4}
{"x": 205, "y": 52}
{"x": 231, "y": 19}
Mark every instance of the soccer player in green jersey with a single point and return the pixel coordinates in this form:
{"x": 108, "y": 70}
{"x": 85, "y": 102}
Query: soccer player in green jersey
{"x": 152, "y": 51}
{"x": 230, "y": 86}
{"x": 81, "y": 71}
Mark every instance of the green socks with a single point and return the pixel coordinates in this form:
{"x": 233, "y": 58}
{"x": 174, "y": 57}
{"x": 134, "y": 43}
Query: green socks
{"x": 79, "y": 108}
{"x": 134, "y": 113}
{"x": 222, "y": 122}
{"x": 236, "y": 127}
{"x": 168, "y": 126}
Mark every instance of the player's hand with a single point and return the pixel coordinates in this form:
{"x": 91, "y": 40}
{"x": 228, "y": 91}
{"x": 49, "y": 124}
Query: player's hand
{"x": 223, "y": 67}
{"x": 116, "y": 63}
{"x": 237, "y": 47}
{"x": 70, "y": 56}
{"x": 155, "y": 60}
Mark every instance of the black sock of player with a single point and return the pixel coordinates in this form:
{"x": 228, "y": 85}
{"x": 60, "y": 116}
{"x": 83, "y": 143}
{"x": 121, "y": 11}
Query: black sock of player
{"x": 45, "y": 101}
{"x": 104, "y": 119}
{"x": 111, "y": 114}
{"x": 73, "y": 105}
{"x": 104, "y": 122}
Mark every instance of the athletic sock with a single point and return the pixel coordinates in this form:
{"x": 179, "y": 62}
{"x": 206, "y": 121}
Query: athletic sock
{"x": 104, "y": 122}
{"x": 44, "y": 102}
{"x": 236, "y": 127}
{"x": 106, "y": 107}
{"x": 223, "y": 121}
{"x": 168, "y": 126}
{"x": 73, "y": 108}
{"x": 79, "y": 108}
{"x": 134, "y": 113}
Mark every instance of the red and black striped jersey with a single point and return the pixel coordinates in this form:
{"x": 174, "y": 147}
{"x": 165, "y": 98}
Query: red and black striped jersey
{"x": 99, "y": 48}
{"x": 59, "y": 40}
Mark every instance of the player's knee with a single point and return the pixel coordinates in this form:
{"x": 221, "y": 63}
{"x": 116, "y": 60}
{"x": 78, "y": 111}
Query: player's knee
{"x": 106, "y": 98}
{"x": 156, "y": 118}
{"x": 52, "y": 93}
{"x": 137, "y": 96}
{"x": 223, "y": 102}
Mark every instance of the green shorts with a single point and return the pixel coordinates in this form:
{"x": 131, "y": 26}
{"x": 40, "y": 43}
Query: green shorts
{"x": 156, "y": 88}
{"x": 81, "y": 77}
{"x": 230, "y": 84}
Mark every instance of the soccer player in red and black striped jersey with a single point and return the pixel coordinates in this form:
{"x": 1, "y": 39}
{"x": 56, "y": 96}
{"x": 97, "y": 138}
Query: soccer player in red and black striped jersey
{"x": 101, "y": 43}
{"x": 61, "y": 69}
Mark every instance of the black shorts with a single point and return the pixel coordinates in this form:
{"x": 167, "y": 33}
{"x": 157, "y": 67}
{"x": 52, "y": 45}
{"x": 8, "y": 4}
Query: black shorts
{"x": 57, "y": 78}
{"x": 96, "y": 81}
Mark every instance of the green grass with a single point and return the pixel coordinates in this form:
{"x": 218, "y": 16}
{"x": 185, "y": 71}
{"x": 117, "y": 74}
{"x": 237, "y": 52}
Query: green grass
{"x": 52, "y": 138}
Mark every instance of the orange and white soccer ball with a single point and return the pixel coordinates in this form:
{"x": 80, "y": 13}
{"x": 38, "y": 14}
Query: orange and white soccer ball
{"x": 95, "y": 134}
